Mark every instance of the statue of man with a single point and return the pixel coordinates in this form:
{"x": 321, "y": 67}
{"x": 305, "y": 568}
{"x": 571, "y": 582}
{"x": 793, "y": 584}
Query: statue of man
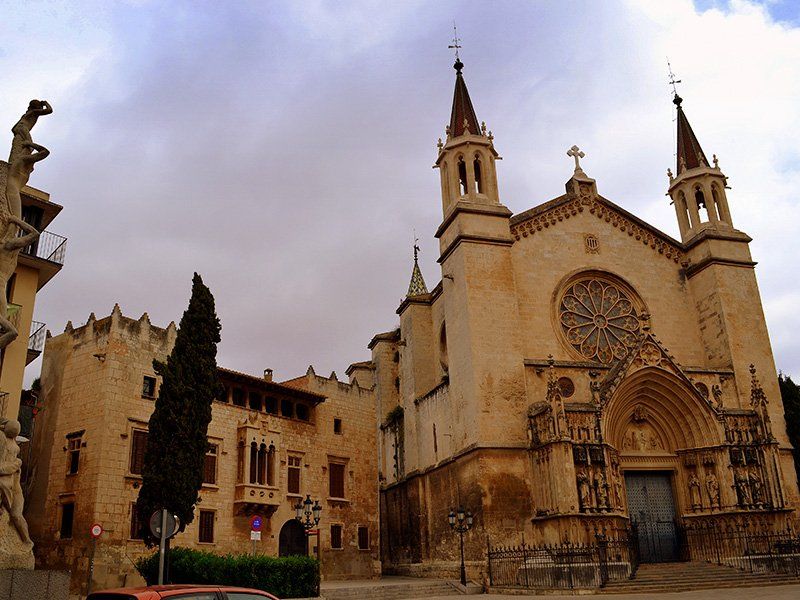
{"x": 11, "y": 498}
{"x": 584, "y": 496}
{"x": 10, "y": 245}
{"x": 712, "y": 487}
{"x": 22, "y": 129}
{"x": 694, "y": 491}
{"x": 19, "y": 171}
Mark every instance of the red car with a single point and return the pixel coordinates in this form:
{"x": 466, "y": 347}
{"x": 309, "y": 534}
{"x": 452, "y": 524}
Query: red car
{"x": 187, "y": 592}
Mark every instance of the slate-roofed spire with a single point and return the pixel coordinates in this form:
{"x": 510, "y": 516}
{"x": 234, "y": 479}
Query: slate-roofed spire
{"x": 690, "y": 154}
{"x": 417, "y": 286}
{"x": 463, "y": 115}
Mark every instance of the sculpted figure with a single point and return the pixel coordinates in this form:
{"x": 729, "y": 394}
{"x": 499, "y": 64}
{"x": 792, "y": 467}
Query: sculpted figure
{"x": 11, "y": 498}
{"x": 712, "y": 487}
{"x": 19, "y": 171}
{"x": 601, "y": 490}
{"x": 22, "y": 129}
{"x": 10, "y": 245}
{"x": 584, "y": 496}
{"x": 742, "y": 489}
{"x": 756, "y": 488}
{"x": 694, "y": 491}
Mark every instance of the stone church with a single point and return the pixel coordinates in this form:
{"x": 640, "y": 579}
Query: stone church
{"x": 575, "y": 368}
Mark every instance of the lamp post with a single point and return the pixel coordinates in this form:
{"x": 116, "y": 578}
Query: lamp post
{"x": 307, "y": 514}
{"x": 461, "y": 522}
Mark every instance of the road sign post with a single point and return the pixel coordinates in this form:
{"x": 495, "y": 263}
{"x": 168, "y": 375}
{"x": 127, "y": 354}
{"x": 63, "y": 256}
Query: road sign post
{"x": 95, "y": 531}
{"x": 256, "y": 523}
{"x": 163, "y": 525}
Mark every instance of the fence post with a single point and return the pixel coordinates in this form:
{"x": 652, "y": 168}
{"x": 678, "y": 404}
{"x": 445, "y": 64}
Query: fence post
{"x": 489, "y": 558}
{"x": 602, "y": 555}
{"x": 525, "y": 562}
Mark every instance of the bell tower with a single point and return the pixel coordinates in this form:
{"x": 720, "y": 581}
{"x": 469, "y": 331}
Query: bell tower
{"x": 697, "y": 189}
{"x": 466, "y": 160}
{"x": 720, "y": 271}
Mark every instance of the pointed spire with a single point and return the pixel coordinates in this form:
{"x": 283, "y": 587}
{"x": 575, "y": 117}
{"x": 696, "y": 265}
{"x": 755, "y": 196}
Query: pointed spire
{"x": 417, "y": 286}
{"x": 690, "y": 154}
{"x": 462, "y": 118}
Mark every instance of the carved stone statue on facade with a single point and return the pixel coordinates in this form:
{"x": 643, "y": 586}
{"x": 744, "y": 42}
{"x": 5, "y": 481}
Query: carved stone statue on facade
{"x": 584, "y": 495}
{"x": 601, "y": 491}
{"x": 712, "y": 487}
{"x": 756, "y": 489}
{"x": 16, "y": 548}
{"x": 742, "y": 485}
{"x": 694, "y": 492}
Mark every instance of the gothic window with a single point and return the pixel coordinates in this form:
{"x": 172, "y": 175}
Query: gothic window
{"x": 599, "y": 319}
{"x": 478, "y": 178}
{"x": 262, "y": 464}
{"x": 253, "y": 462}
{"x": 271, "y": 466}
{"x": 462, "y": 177}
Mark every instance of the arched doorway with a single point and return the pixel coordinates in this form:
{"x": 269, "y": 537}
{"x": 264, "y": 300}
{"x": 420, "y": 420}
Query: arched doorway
{"x": 653, "y": 418}
{"x": 292, "y": 540}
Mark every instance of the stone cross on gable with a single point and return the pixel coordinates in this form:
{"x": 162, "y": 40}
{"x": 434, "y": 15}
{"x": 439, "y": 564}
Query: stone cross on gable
{"x": 577, "y": 154}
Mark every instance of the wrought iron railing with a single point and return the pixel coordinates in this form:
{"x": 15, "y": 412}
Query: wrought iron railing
{"x": 565, "y": 566}
{"x": 50, "y": 246}
{"x": 748, "y": 546}
{"x": 36, "y": 339}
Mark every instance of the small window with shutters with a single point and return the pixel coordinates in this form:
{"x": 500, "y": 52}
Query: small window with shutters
{"x": 210, "y": 465}
{"x": 336, "y": 480}
{"x": 138, "y": 448}
{"x": 74, "y": 453}
{"x": 206, "y": 535}
{"x": 363, "y": 537}
{"x": 336, "y": 537}
{"x": 293, "y": 475}
{"x": 148, "y": 387}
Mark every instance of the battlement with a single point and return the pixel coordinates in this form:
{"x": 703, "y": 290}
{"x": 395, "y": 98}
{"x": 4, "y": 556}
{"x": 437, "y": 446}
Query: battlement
{"x": 99, "y": 331}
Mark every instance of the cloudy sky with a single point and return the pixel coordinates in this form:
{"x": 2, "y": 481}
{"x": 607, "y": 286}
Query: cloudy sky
{"x": 284, "y": 149}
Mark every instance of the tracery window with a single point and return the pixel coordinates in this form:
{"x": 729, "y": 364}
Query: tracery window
{"x": 599, "y": 319}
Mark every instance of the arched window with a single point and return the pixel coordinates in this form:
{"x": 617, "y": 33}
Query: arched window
{"x": 262, "y": 464}
{"x": 271, "y": 465}
{"x": 701, "y": 203}
{"x": 253, "y": 462}
{"x": 684, "y": 209}
{"x": 443, "y": 348}
{"x": 240, "y": 463}
{"x": 478, "y": 174}
{"x": 462, "y": 177}
{"x": 715, "y": 196}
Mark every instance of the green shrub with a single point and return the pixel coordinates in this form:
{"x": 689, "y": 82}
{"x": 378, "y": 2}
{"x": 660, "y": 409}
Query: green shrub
{"x": 284, "y": 577}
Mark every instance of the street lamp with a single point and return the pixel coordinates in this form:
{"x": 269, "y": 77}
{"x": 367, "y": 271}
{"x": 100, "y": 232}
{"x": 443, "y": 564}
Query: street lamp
{"x": 307, "y": 512}
{"x": 461, "y": 521}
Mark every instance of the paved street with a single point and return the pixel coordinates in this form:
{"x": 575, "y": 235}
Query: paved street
{"x": 777, "y": 592}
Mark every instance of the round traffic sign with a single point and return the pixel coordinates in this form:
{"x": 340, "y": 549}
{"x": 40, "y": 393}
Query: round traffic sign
{"x": 172, "y": 525}
{"x": 96, "y": 530}
{"x": 256, "y": 523}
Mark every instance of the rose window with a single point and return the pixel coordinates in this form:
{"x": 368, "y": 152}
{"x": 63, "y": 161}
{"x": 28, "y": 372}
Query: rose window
{"x": 599, "y": 320}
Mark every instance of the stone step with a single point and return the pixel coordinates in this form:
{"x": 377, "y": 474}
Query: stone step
{"x": 397, "y": 591}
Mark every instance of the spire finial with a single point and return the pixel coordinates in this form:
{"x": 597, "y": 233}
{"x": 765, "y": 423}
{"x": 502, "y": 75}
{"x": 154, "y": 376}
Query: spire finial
{"x": 672, "y": 81}
{"x": 416, "y": 246}
{"x": 417, "y": 286}
{"x": 455, "y": 46}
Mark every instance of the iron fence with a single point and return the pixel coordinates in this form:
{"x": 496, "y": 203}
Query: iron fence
{"x": 746, "y": 546}
{"x": 566, "y": 565}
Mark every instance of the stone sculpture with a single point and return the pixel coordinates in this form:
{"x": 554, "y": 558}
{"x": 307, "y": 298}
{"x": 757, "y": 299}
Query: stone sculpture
{"x": 16, "y": 548}
{"x": 22, "y": 158}
{"x": 694, "y": 492}
{"x": 712, "y": 487}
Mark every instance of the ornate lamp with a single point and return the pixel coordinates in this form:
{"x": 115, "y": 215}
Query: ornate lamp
{"x": 461, "y": 522}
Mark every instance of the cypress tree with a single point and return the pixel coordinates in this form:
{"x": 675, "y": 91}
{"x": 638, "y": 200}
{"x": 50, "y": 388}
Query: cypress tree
{"x": 790, "y": 394}
{"x": 177, "y": 442}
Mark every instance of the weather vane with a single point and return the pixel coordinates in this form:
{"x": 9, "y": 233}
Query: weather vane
{"x": 672, "y": 80}
{"x": 416, "y": 245}
{"x": 455, "y": 45}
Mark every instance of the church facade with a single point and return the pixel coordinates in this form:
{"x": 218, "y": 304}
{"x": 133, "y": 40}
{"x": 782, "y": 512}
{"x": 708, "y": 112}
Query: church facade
{"x": 575, "y": 368}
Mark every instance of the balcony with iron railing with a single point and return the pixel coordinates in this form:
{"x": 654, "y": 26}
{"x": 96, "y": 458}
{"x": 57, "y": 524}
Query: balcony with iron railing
{"x": 46, "y": 254}
{"x": 35, "y": 341}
